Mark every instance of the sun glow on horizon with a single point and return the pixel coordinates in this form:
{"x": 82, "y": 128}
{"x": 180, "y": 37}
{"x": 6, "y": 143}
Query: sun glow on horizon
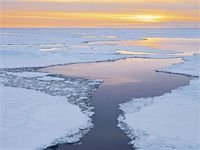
{"x": 144, "y": 18}
{"x": 105, "y": 13}
{"x": 148, "y": 18}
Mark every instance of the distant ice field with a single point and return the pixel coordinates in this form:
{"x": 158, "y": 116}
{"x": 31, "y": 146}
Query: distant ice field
{"x": 44, "y": 47}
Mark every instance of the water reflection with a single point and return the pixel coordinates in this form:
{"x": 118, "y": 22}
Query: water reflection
{"x": 124, "y": 52}
{"x": 117, "y": 72}
{"x": 181, "y": 46}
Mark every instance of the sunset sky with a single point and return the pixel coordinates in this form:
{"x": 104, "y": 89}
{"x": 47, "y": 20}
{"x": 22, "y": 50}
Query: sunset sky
{"x": 100, "y": 13}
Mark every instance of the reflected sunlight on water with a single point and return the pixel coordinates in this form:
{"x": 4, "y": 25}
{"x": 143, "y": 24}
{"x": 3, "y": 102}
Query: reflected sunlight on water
{"x": 176, "y": 44}
{"x": 117, "y": 72}
{"x": 124, "y": 52}
{"x": 185, "y": 46}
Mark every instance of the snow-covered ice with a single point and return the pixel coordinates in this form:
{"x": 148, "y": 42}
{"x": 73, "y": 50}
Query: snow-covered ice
{"x": 33, "y": 120}
{"x": 51, "y": 78}
{"x": 170, "y": 121}
{"x": 44, "y": 47}
{"x": 28, "y": 74}
{"x": 37, "y": 109}
{"x": 189, "y": 66}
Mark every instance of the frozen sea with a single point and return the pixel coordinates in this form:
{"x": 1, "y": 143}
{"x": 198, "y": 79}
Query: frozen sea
{"x": 30, "y": 99}
{"x": 44, "y": 47}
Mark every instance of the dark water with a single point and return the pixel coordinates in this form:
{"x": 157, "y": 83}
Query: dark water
{"x": 123, "y": 80}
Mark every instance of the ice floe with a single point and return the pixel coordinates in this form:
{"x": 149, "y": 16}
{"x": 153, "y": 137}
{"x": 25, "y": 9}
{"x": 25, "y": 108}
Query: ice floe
{"x": 170, "y": 121}
{"x": 189, "y": 66}
{"x": 44, "y": 47}
{"x": 35, "y": 104}
{"x": 34, "y": 120}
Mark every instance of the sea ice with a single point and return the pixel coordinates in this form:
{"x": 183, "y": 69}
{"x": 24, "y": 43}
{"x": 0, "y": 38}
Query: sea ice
{"x": 33, "y": 120}
{"x": 189, "y": 66}
{"x": 45, "y": 47}
{"x": 35, "y": 109}
{"x": 170, "y": 121}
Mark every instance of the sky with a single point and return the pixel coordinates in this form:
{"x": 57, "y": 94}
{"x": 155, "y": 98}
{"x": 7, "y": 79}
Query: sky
{"x": 100, "y": 13}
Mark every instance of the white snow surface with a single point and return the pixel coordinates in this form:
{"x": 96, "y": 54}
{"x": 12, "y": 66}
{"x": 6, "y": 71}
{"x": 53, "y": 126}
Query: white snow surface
{"x": 170, "y": 121}
{"x": 44, "y": 47}
{"x": 51, "y": 78}
{"x": 28, "y": 74}
{"x": 34, "y": 120}
{"x": 37, "y": 109}
{"x": 189, "y": 66}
